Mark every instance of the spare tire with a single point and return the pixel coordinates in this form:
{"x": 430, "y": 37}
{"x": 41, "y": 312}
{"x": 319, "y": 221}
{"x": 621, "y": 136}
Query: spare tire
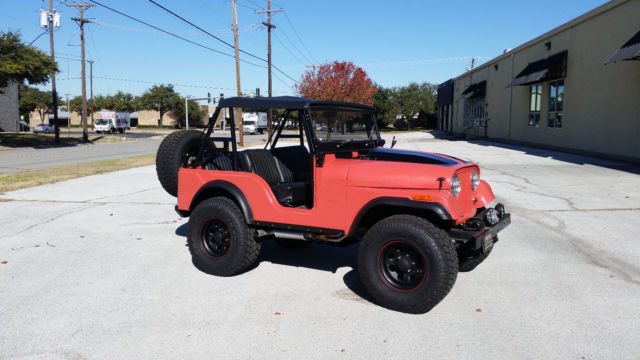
{"x": 177, "y": 150}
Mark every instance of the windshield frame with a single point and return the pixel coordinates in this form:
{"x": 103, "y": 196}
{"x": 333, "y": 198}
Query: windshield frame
{"x": 344, "y": 145}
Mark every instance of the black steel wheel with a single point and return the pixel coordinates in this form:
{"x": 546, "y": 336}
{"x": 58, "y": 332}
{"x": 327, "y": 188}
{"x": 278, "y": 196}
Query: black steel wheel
{"x": 407, "y": 264}
{"x": 402, "y": 266}
{"x": 215, "y": 237}
{"x": 219, "y": 240}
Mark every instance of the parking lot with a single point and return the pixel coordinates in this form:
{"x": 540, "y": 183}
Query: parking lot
{"x": 97, "y": 268}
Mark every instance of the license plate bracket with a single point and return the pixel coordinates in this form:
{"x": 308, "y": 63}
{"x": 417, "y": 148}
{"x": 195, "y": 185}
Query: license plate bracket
{"x": 487, "y": 242}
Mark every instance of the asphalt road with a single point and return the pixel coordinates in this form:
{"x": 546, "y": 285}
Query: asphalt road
{"x": 145, "y": 143}
{"x": 97, "y": 268}
{"x": 29, "y": 158}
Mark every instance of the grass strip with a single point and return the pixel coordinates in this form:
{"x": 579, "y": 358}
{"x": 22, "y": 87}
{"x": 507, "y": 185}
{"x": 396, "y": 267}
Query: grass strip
{"x": 29, "y": 178}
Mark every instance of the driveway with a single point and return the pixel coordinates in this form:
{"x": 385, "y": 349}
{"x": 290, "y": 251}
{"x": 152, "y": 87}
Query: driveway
{"x": 97, "y": 268}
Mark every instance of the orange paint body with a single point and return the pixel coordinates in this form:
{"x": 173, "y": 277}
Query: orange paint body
{"x": 342, "y": 187}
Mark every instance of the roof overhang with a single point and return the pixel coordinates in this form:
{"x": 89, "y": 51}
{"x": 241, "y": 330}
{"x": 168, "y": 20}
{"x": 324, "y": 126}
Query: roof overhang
{"x": 628, "y": 51}
{"x": 538, "y": 71}
{"x": 474, "y": 90}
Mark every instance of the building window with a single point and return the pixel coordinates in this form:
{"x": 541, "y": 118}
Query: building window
{"x": 556, "y": 100}
{"x": 535, "y": 98}
{"x": 474, "y": 114}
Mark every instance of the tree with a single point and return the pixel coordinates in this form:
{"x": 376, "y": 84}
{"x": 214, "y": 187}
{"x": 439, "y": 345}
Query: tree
{"x": 195, "y": 113}
{"x": 35, "y": 99}
{"x": 338, "y": 81}
{"x": 161, "y": 98}
{"x": 384, "y": 106}
{"x": 122, "y": 102}
{"x": 19, "y": 62}
{"x": 413, "y": 100}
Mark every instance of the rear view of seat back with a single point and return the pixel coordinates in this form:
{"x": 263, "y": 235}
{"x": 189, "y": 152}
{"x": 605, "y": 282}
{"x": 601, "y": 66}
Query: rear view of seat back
{"x": 262, "y": 163}
{"x": 296, "y": 160}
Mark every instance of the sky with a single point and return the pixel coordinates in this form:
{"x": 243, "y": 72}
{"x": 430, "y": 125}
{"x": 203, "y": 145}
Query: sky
{"x": 395, "y": 42}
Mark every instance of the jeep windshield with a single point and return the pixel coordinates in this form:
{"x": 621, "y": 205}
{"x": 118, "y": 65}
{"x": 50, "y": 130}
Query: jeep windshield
{"x": 343, "y": 124}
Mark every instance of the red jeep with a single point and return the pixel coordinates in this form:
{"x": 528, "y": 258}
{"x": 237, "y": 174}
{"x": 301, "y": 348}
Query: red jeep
{"x": 324, "y": 176}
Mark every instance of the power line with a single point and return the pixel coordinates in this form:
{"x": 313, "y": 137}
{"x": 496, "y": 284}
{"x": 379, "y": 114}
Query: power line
{"x": 298, "y": 49}
{"x": 290, "y": 52}
{"x": 299, "y": 38}
{"x": 170, "y": 33}
{"x": 156, "y": 82}
{"x": 217, "y": 38}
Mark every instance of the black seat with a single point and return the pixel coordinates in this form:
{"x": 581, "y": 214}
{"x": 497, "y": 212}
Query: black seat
{"x": 286, "y": 189}
{"x": 219, "y": 161}
{"x": 297, "y": 160}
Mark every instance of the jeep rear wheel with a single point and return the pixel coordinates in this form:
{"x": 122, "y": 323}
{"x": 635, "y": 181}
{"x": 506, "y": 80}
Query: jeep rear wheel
{"x": 178, "y": 149}
{"x": 219, "y": 240}
{"x": 407, "y": 264}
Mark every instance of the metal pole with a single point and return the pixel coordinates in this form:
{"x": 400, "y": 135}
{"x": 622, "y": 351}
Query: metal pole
{"x": 235, "y": 40}
{"x": 82, "y": 21}
{"x": 269, "y": 27}
{"x": 186, "y": 111}
{"x": 68, "y": 114}
{"x": 85, "y": 135}
{"x": 270, "y": 113}
{"x": 91, "y": 88}
{"x": 54, "y": 93}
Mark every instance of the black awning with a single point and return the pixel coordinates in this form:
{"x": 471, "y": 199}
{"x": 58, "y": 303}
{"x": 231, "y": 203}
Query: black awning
{"x": 542, "y": 70}
{"x": 445, "y": 92}
{"x": 474, "y": 90}
{"x": 628, "y": 51}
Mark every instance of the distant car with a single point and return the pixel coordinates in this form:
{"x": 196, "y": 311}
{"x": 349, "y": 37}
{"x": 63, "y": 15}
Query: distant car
{"x": 44, "y": 128}
{"x": 23, "y": 126}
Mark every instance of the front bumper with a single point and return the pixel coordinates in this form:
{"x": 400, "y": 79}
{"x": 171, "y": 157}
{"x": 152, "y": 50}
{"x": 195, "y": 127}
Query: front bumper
{"x": 473, "y": 238}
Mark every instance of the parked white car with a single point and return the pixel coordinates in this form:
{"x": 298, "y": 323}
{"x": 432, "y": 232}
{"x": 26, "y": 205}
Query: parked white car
{"x": 44, "y": 128}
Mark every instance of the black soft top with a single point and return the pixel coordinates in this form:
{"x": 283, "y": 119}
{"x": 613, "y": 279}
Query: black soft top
{"x": 284, "y": 102}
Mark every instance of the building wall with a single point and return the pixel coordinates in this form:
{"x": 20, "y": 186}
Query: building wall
{"x": 145, "y": 117}
{"x": 601, "y": 107}
{"x": 9, "y": 108}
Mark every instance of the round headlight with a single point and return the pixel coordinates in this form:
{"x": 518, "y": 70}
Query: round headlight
{"x": 475, "y": 179}
{"x": 455, "y": 185}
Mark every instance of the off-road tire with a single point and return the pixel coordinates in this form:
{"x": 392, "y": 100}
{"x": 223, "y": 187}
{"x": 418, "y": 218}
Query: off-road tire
{"x": 429, "y": 246}
{"x": 292, "y": 244}
{"x": 173, "y": 154}
{"x": 242, "y": 250}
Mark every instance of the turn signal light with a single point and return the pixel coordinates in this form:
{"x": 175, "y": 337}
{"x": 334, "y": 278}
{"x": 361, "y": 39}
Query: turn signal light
{"x": 422, "y": 197}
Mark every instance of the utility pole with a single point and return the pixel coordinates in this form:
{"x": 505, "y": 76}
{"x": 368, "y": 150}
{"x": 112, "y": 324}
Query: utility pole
{"x": 238, "y": 114}
{"x": 91, "y": 87}
{"x": 50, "y": 16}
{"x": 81, "y": 20}
{"x": 269, "y": 26}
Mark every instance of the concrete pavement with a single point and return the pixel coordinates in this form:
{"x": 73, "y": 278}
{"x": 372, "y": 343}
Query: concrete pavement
{"x": 97, "y": 268}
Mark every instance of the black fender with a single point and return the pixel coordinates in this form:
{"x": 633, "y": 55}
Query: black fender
{"x": 224, "y": 188}
{"x": 437, "y": 209}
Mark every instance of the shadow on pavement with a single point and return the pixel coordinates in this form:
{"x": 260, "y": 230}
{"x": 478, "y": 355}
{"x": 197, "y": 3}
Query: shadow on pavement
{"x": 563, "y": 156}
{"x": 315, "y": 256}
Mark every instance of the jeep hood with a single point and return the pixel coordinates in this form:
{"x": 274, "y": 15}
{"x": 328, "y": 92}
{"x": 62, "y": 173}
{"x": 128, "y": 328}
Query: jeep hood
{"x": 403, "y": 169}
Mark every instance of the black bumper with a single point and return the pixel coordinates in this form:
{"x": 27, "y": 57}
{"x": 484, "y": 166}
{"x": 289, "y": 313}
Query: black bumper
{"x": 480, "y": 239}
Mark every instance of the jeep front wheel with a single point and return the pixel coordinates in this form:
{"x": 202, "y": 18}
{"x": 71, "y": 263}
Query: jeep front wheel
{"x": 407, "y": 264}
{"x": 219, "y": 240}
